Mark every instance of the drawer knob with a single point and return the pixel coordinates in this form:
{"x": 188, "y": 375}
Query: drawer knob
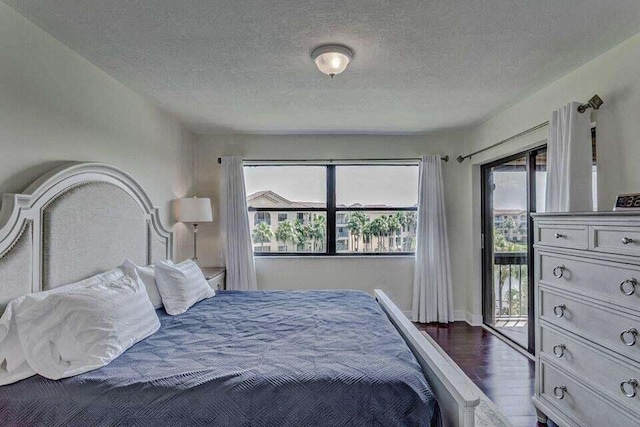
{"x": 627, "y": 240}
{"x": 559, "y": 391}
{"x": 558, "y": 310}
{"x": 558, "y": 271}
{"x": 558, "y": 350}
{"x": 559, "y": 235}
{"x": 629, "y": 291}
{"x": 633, "y": 383}
{"x": 633, "y": 333}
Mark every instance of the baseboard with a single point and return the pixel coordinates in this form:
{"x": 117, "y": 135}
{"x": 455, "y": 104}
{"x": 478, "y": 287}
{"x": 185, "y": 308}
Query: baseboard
{"x": 473, "y": 319}
{"x": 458, "y": 315}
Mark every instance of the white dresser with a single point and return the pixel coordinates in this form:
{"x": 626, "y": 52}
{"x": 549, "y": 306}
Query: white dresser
{"x": 587, "y": 300}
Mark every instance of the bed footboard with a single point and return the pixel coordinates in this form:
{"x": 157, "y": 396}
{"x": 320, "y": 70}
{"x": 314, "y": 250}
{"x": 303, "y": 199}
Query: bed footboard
{"x": 462, "y": 404}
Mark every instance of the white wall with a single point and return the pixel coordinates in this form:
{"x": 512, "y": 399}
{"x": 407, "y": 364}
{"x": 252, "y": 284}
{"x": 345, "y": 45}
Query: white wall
{"x": 393, "y": 274}
{"x": 615, "y": 76}
{"x": 56, "y": 107}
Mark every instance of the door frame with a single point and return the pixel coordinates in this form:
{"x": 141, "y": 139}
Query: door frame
{"x": 487, "y": 242}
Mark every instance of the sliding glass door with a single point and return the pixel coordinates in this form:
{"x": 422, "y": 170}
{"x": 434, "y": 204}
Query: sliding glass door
{"x": 512, "y": 188}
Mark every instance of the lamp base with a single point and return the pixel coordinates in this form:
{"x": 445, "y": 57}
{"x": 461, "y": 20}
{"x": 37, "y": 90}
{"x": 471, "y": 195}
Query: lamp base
{"x": 195, "y": 244}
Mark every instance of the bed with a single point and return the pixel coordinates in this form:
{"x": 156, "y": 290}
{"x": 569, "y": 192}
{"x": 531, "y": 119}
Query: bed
{"x": 246, "y": 359}
{"x": 294, "y": 358}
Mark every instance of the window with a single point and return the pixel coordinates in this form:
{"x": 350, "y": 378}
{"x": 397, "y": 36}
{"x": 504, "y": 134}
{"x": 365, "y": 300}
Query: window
{"x": 333, "y": 209}
{"x": 262, "y": 217}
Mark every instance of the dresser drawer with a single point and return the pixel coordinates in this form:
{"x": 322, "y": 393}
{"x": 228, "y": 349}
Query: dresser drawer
{"x": 616, "y": 240}
{"x": 589, "y": 363}
{"x": 583, "y": 406}
{"x": 601, "y": 325}
{"x": 619, "y": 283}
{"x": 563, "y": 236}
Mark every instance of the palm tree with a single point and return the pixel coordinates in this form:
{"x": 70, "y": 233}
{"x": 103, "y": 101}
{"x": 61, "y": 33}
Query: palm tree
{"x": 394, "y": 225}
{"x": 262, "y": 234}
{"x": 411, "y": 220}
{"x": 367, "y": 233}
{"x": 384, "y": 230}
{"x": 509, "y": 225}
{"x": 355, "y": 224}
{"x": 301, "y": 235}
{"x": 380, "y": 228}
{"x": 318, "y": 232}
{"x": 286, "y": 232}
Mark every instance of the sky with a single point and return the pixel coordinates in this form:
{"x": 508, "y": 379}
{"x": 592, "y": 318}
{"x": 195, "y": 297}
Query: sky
{"x": 511, "y": 192}
{"x": 391, "y": 185}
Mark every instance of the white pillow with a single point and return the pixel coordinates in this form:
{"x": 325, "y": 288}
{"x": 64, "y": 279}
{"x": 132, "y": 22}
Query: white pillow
{"x": 181, "y": 285}
{"x": 73, "y": 332}
{"x": 148, "y": 276}
{"x": 13, "y": 363}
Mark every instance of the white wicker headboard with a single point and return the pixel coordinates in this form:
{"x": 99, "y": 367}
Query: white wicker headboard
{"x": 74, "y": 222}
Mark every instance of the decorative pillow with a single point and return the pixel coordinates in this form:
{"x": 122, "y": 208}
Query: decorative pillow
{"x": 181, "y": 285}
{"x": 148, "y": 277}
{"x": 69, "y": 333}
{"x": 13, "y": 363}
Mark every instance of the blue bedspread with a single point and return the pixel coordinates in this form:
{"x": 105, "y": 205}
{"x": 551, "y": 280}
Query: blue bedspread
{"x": 278, "y": 358}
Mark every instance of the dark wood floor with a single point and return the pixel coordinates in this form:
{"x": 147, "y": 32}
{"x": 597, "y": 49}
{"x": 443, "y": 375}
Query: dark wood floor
{"x": 502, "y": 373}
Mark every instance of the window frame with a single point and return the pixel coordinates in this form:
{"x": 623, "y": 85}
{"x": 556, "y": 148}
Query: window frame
{"x": 331, "y": 211}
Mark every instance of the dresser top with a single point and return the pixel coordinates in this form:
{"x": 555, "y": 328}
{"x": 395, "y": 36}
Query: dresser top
{"x": 600, "y": 214}
{"x": 211, "y": 272}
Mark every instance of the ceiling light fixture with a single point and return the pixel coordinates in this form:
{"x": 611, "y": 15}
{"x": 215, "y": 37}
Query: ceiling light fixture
{"x": 332, "y": 59}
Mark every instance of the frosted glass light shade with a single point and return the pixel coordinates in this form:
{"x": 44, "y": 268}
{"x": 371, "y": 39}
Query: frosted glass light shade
{"x": 332, "y": 60}
{"x": 195, "y": 209}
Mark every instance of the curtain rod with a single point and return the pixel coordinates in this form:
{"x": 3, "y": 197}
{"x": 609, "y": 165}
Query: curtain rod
{"x": 404, "y": 159}
{"x": 595, "y": 102}
{"x": 461, "y": 159}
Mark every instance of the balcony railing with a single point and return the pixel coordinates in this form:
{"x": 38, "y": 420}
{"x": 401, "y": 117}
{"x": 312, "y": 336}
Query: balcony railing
{"x": 510, "y": 285}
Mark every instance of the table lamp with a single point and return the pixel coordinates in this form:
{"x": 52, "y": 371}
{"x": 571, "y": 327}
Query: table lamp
{"x": 195, "y": 210}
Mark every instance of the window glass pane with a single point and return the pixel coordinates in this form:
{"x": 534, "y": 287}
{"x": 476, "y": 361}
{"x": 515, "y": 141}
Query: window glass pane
{"x": 285, "y": 186}
{"x": 295, "y": 231}
{"x": 506, "y": 224}
{"x": 377, "y": 185}
{"x": 376, "y": 231}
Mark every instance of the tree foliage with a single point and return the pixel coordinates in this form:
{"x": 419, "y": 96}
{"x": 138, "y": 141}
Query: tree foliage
{"x": 262, "y": 234}
{"x": 286, "y": 232}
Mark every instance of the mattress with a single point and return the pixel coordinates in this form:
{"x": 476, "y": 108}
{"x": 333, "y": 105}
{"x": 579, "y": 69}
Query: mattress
{"x": 263, "y": 358}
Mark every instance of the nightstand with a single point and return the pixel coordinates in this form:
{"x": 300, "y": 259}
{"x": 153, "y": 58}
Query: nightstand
{"x": 215, "y": 276}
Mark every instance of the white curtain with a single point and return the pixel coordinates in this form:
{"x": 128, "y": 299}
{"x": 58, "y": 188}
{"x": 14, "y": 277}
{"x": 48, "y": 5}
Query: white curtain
{"x": 569, "y": 161}
{"x": 236, "y": 233}
{"x": 432, "y": 290}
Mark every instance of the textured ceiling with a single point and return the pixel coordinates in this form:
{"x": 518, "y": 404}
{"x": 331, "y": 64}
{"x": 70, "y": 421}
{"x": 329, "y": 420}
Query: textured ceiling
{"x": 420, "y": 65}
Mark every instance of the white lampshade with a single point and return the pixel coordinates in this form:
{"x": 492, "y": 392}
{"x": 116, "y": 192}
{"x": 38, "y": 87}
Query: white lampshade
{"x": 332, "y": 60}
{"x": 195, "y": 209}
